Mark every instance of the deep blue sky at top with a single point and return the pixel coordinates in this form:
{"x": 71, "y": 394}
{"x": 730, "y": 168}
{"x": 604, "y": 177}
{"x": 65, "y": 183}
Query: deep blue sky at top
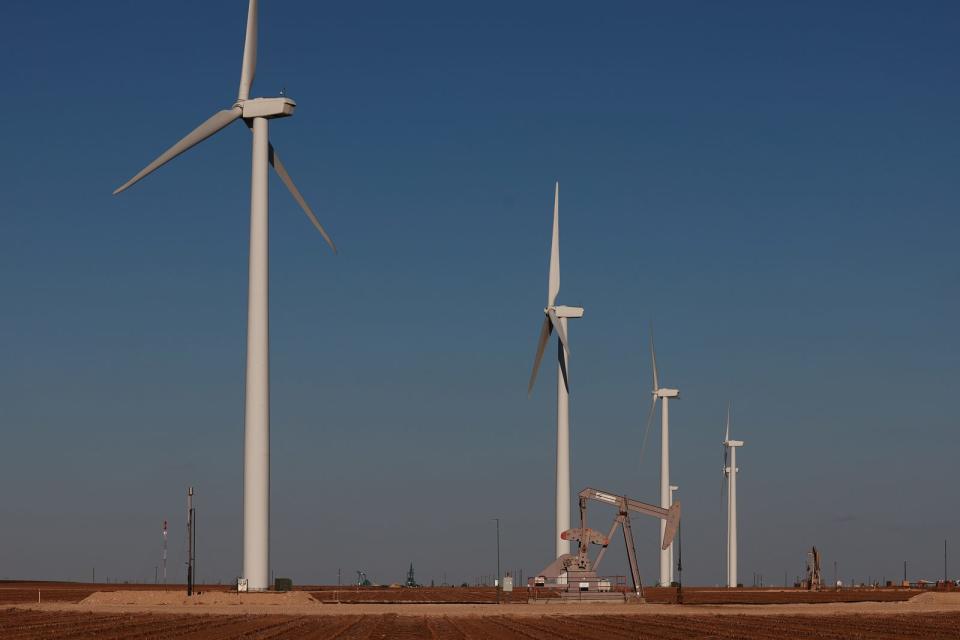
{"x": 774, "y": 185}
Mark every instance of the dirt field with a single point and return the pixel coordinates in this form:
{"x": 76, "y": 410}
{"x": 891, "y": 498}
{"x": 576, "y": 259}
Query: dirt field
{"x": 706, "y": 595}
{"x": 26, "y": 592}
{"x": 15, "y": 592}
{"x": 478, "y": 595}
{"x": 657, "y": 595}
{"x": 76, "y": 611}
{"x": 18, "y": 624}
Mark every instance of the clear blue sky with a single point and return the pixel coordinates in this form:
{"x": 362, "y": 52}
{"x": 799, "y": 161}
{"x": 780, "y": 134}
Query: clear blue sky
{"x": 774, "y": 185}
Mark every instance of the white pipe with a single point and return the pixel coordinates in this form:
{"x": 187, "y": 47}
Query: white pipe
{"x": 563, "y": 449}
{"x": 664, "y": 487}
{"x": 256, "y": 459}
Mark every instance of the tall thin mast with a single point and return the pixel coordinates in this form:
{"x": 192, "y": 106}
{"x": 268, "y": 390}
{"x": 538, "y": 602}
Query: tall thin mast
{"x": 164, "y": 556}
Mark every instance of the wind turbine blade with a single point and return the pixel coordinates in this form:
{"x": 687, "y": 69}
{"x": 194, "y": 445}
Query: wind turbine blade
{"x": 216, "y": 122}
{"x": 249, "y": 67}
{"x": 562, "y": 361}
{"x": 545, "y": 330}
{"x": 646, "y": 431}
{"x": 723, "y": 473}
{"x": 554, "y": 285}
{"x": 653, "y": 361}
{"x": 726, "y": 453}
{"x": 727, "y": 436}
{"x": 561, "y": 332}
{"x": 288, "y": 181}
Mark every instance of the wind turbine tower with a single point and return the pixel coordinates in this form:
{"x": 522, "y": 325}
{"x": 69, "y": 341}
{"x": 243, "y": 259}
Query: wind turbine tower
{"x": 256, "y": 113}
{"x": 664, "y": 394}
{"x": 555, "y": 319}
{"x": 730, "y": 471}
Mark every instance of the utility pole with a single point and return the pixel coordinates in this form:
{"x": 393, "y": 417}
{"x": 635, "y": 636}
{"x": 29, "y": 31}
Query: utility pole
{"x": 904, "y": 570}
{"x": 497, "y": 582}
{"x": 944, "y": 561}
{"x": 835, "y": 586}
{"x": 190, "y": 541}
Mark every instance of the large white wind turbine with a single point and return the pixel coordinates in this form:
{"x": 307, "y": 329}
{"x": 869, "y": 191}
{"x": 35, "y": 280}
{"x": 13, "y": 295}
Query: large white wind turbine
{"x": 662, "y": 393}
{"x": 255, "y": 112}
{"x": 556, "y": 320}
{"x": 730, "y": 472}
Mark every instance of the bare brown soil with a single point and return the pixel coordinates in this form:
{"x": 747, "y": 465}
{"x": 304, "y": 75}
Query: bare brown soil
{"x": 21, "y": 624}
{"x": 656, "y": 595}
{"x": 15, "y": 592}
{"x": 26, "y": 592}
{"x": 421, "y": 595}
{"x": 706, "y": 595}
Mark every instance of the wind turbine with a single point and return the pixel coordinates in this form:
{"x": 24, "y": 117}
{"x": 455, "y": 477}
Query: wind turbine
{"x": 730, "y": 472}
{"x": 662, "y": 393}
{"x": 556, "y": 320}
{"x": 256, "y": 113}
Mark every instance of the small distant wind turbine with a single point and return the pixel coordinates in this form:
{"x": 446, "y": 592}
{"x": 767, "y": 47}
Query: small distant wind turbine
{"x": 730, "y": 472}
{"x": 556, "y": 320}
{"x": 255, "y": 112}
{"x": 662, "y": 393}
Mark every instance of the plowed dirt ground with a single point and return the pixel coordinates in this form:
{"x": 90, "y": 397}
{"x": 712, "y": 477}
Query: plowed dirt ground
{"x": 77, "y": 611}
{"x": 26, "y": 592}
{"x": 18, "y": 624}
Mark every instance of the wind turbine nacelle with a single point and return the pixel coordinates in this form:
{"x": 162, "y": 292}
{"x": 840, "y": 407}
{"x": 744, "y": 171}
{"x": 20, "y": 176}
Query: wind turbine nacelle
{"x": 564, "y": 311}
{"x": 268, "y": 107}
{"x": 668, "y": 393}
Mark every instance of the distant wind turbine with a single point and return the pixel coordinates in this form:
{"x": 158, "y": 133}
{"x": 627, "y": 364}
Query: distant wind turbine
{"x": 556, "y": 320}
{"x": 255, "y": 112}
{"x": 662, "y": 393}
{"x": 730, "y": 472}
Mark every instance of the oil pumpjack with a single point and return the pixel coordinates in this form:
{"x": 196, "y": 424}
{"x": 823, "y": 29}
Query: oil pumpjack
{"x": 578, "y": 569}
{"x": 812, "y": 581}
